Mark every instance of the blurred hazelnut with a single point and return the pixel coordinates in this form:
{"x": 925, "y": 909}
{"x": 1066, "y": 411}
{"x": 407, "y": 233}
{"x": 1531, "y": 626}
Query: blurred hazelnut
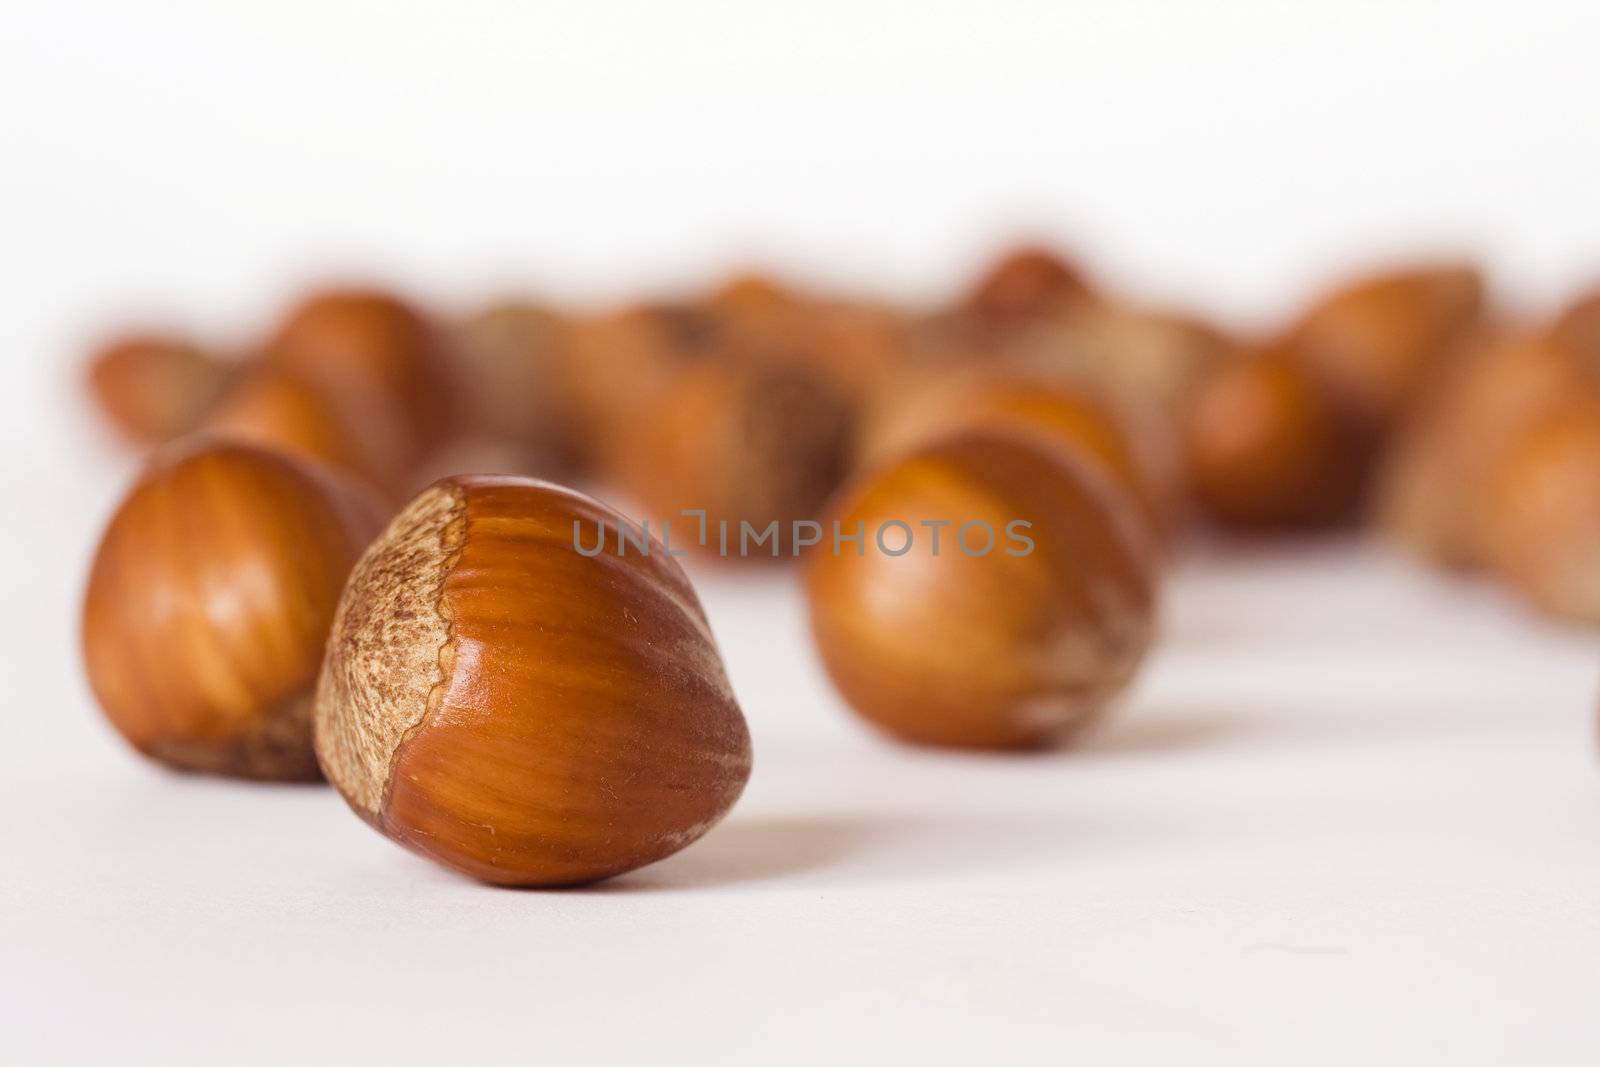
{"x": 1427, "y": 490}
{"x": 366, "y": 341}
{"x": 1074, "y": 417}
{"x": 1579, "y": 326}
{"x": 618, "y": 364}
{"x": 1267, "y": 448}
{"x": 745, "y": 440}
{"x": 1540, "y": 505}
{"x": 1015, "y": 628}
{"x": 1375, "y": 341}
{"x": 511, "y": 383}
{"x": 1149, "y": 360}
{"x": 209, "y": 602}
{"x": 154, "y": 388}
{"x": 1023, "y": 284}
{"x": 359, "y": 433}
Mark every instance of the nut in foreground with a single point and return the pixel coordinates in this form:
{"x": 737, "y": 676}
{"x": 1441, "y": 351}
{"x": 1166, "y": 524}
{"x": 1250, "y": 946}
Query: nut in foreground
{"x": 517, "y": 711}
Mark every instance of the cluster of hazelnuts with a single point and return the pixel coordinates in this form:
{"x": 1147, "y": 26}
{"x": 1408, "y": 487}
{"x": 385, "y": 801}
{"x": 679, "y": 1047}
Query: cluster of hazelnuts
{"x": 302, "y": 583}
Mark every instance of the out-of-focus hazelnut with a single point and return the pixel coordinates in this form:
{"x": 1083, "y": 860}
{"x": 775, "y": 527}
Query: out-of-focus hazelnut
{"x": 156, "y": 388}
{"x": 620, "y": 363}
{"x": 1027, "y": 282}
{"x": 1540, "y": 508}
{"x": 367, "y": 341}
{"x": 999, "y": 595}
{"x": 511, "y": 381}
{"x": 1579, "y": 326}
{"x": 1266, "y": 447}
{"x": 1149, "y": 360}
{"x": 748, "y": 441}
{"x": 1074, "y": 417}
{"x": 1376, "y": 340}
{"x": 1427, "y": 490}
{"x": 359, "y": 433}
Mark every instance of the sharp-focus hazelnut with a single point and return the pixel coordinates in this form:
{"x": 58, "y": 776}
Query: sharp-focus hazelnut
{"x": 370, "y": 342}
{"x": 1023, "y": 284}
{"x": 746, "y": 441}
{"x": 209, "y": 603}
{"x": 511, "y": 386}
{"x": 1267, "y": 448}
{"x": 358, "y": 432}
{"x": 1428, "y": 488}
{"x": 1073, "y": 417}
{"x": 503, "y": 703}
{"x": 1541, "y": 512}
{"x": 999, "y": 596}
{"x": 154, "y": 389}
{"x": 1376, "y": 341}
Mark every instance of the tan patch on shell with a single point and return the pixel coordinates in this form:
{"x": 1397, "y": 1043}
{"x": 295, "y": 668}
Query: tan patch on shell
{"x": 386, "y": 651}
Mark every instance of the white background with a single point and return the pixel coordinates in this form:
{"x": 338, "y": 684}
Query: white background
{"x": 1350, "y": 811}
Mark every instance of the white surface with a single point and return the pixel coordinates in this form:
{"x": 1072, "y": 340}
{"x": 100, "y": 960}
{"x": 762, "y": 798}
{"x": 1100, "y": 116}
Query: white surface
{"x": 1347, "y": 815}
{"x": 1350, "y": 812}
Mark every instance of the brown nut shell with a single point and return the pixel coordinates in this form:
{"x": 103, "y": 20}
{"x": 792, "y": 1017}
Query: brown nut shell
{"x": 1075, "y": 417}
{"x": 1540, "y": 502}
{"x": 744, "y": 441}
{"x": 359, "y": 433}
{"x": 155, "y": 388}
{"x": 1429, "y": 489}
{"x": 1016, "y": 647}
{"x": 209, "y": 602}
{"x": 516, "y": 710}
{"x": 1376, "y": 341}
{"x": 1267, "y": 448}
{"x": 369, "y": 342}
{"x": 1023, "y": 284}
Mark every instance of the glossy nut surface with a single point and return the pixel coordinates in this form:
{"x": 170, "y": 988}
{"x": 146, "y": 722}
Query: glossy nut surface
{"x": 208, "y": 604}
{"x": 1267, "y": 448}
{"x": 516, "y": 710}
{"x": 744, "y": 441}
{"x": 1015, "y": 647}
{"x": 154, "y": 388}
{"x": 1075, "y": 418}
{"x": 361, "y": 433}
{"x": 1022, "y": 284}
{"x": 1540, "y": 502}
{"x": 367, "y": 341}
{"x": 1376, "y": 340}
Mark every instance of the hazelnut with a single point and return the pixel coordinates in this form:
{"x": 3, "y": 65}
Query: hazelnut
{"x": 1540, "y": 505}
{"x": 362, "y": 342}
{"x": 1000, "y": 595}
{"x": 1023, "y": 284}
{"x": 1428, "y": 487}
{"x": 357, "y": 432}
{"x": 154, "y": 388}
{"x": 1579, "y": 326}
{"x": 1267, "y": 448}
{"x": 1149, "y": 360}
{"x": 1074, "y": 417}
{"x": 208, "y": 604}
{"x": 1376, "y": 341}
{"x": 749, "y": 442}
{"x": 520, "y": 711}
{"x": 511, "y": 380}
{"x": 619, "y": 363}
